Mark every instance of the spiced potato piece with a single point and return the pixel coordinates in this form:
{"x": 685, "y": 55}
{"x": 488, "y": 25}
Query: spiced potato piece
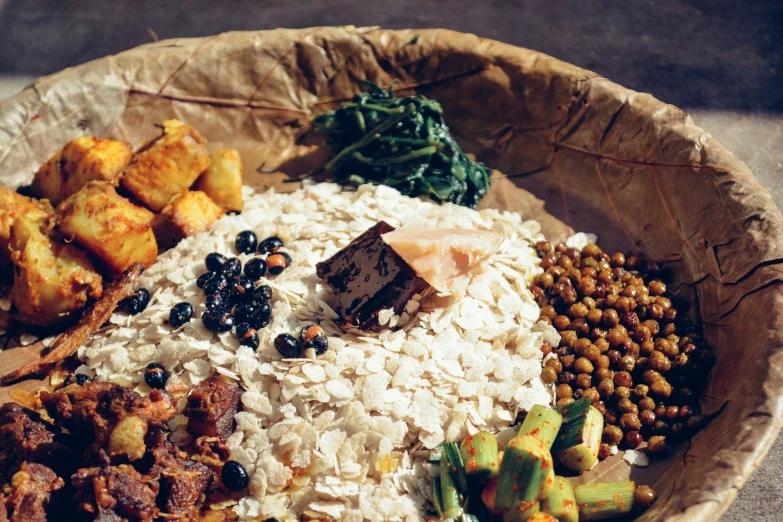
{"x": 187, "y": 214}
{"x": 52, "y": 280}
{"x": 83, "y": 159}
{"x": 13, "y": 205}
{"x": 167, "y": 166}
{"x": 222, "y": 181}
{"x": 114, "y": 230}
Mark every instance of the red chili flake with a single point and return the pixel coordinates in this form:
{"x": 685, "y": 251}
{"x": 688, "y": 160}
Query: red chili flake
{"x": 472, "y": 450}
{"x": 622, "y": 504}
{"x": 472, "y": 464}
{"x": 535, "y": 431}
{"x": 516, "y": 488}
{"x": 544, "y": 464}
{"x": 602, "y": 504}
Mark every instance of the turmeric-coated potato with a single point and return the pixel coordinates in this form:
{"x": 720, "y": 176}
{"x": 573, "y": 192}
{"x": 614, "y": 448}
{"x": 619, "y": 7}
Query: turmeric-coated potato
{"x": 222, "y": 181}
{"x": 186, "y": 215}
{"x": 13, "y": 205}
{"x": 111, "y": 228}
{"x": 52, "y": 280}
{"x": 167, "y": 166}
{"x": 82, "y": 159}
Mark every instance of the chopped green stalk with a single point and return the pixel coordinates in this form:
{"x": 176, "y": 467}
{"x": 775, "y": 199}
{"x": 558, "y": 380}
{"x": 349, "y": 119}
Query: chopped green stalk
{"x": 571, "y": 431}
{"x": 604, "y": 500}
{"x": 437, "y": 494}
{"x": 450, "y": 499}
{"x": 522, "y": 512}
{"x": 479, "y": 452}
{"x": 582, "y": 456}
{"x": 435, "y": 454}
{"x": 543, "y": 423}
{"x": 453, "y": 462}
{"x": 542, "y": 517}
{"x": 561, "y": 503}
{"x": 525, "y": 467}
{"x": 467, "y": 517}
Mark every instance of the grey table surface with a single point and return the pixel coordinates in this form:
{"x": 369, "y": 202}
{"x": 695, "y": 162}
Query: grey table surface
{"x": 721, "y": 60}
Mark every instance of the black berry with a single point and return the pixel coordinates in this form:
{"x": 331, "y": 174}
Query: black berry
{"x": 240, "y": 288}
{"x": 180, "y": 314}
{"x": 214, "y": 261}
{"x": 288, "y": 346}
{"x": 242, "y": 312}
{"x": 320, "y": 343}
{"x": 234, "y": 476}
{"x": 232, "y": 267}
{"x": 270, "y": 244}
{"x": 155, "y": 376}
{"x": 82, "y": 379}
{"x": 255, "y": 268}
{"x": 215, "y": 285}
{"x": 138, "y": 301}
{"x": 246, "y": 242}
{"x": 217, "y": 321}
{"x": 247, "y": 336}
{"x": 262, "y": 294}
{"x": 215, "y": 301}
{"x": 204, "y": 278}
{"x": 262, "y": 316}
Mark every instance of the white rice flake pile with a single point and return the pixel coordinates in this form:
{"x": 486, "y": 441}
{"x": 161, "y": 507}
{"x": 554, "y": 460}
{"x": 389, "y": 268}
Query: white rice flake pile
{"x": 345, "y": 435}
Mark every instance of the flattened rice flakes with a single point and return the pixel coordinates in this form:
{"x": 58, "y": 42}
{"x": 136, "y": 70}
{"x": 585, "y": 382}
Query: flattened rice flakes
{"x": 341, "y": 435}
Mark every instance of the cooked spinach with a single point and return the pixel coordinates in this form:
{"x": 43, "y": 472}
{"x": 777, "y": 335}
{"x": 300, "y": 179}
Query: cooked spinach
{"x": 401, "y": 142}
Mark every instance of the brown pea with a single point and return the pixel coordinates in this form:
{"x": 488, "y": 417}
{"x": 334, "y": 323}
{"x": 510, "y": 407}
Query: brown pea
{"x": 605, "y": 276}
{"x": 685, "y": 412}
{"x": 668, "y": 348}
{"x": 591, "y": 250}
{"x": 678, "y": 430}
{"x": 549, "y": 375}
{"x": 641, "y": 334}
{"x": 554, "y": 363}
{"x": 640, "y": 391}
{"x": 577, "y": 310}
{"x": 604, "y": 373}
{"x": 602, "y": 361}
{"x": 661, "y": 426}
{"x": 620, "y": 393}
{"x": 665, "y": 303}
{"x": 593, "y": 354}
{"x": 670, "y": 316}
{"x": 597, "y": 333}
{"x": 623, "y": 379}
{"x": 618, "y": 259}
{"x": 583, "y": 365}
{"x": 659, "y": 362}
{"x": 650, "y": 377}
{"x": 617, "y": 335}
{"x": 546, "y": 280}
{"x": 652, "y": 325}
{"x": 647, "y": 347}
{"x": 600, "y": 405}
{"x": 580, "y": 326}
{"x": 630, "y": 421}
{"x": 583, "y": 381}
{"x": 563, "y": 391}
{"x": 630, "y": 320}
{"x": 695, "y": 423}
{"x": 602, "y": 344}
{"x": 612, "y": 435}
{"x": 644, "y": 496}
{"x": 574, "y": 254}
{"x": 672, "y": 412}
{"x": 565, "y": 262}
{"x": 592, "y": 393}
{"x": 655, "y": 311}
{"x": 661, "y": 388}
{"x": 610, "y": 417}
{"x": 647, "y": 418}
{"x": 627, "y": 406}
{"x": 624, "y": 304}
{"x": 614, "y": 356}
{"x": 568, "y": 361}
{"x": 633, "y": 439}
{"x": 543, "y": 246}
{"x": 548, "y": 261}
{"x": 657, "y": 445}
{"x": 562, "y": 403}
{"x": 627, "y": 363}
{"x": 632, "y": 349}
{"x": 549, "y": 311}
{"x": 657, "y": 288}
{"x": 556, "y": 271}
{"x": 646, "y": 404}
{"x": 660, "y": 410}
{"x": 642, "y": 363}
{"x": 605, "y": 388}
{"x": 581, "y": 345}
{"x": 568, "y": 338}
{"x": 546, "y": 348}
{"x": 589, "y": 261}
{"x": 561, "y": 322}
{"x": 594, "y": 316}
{"x": 589, "y": 271}
{"x": 566, "y": 377}
{"x": 545, "y": 319}
{"x": 604, "y": 451}
{"x": 633, "y": 262}
{"x": 610, "y": 318}
{"x": 586, "y": 285}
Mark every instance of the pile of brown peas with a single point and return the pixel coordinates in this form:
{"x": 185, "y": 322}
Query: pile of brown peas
{"x": 624, "y": 342}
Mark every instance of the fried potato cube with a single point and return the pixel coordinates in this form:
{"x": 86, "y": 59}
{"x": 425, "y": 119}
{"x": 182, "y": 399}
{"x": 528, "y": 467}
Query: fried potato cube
{"x": 82, "y": 159}
{"x": 52, "y": 280}
{"x": 186, "y": 215}
{"x": 222, "y": 181}
{"x": 111, "y": 228}
{"x": 13, "y": 205}
{"x": 167, "y": 166}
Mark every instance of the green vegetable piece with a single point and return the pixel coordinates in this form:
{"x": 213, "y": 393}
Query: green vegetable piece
{"x": 524, "y": 472}
{"x": 572, "y": 427}
{"x": 583, "y": 455}
{"x": 452, "y": 461}
{"x": 561, "y": 502}
{"x": 450, "y": 498}
{"x": 543, "y": 423}
{"x": 604, "y": 500}
{"x": 437, "y": 495}
{"x": 522, "y": 512}
{"x": 479, "y": 452}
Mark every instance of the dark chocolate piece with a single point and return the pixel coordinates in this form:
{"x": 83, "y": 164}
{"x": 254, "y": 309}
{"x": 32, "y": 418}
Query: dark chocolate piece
{"x": 368, "y": 276}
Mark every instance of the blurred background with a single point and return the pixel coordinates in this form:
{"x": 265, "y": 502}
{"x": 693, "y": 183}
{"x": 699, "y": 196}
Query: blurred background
{"x": 721, "y": 60}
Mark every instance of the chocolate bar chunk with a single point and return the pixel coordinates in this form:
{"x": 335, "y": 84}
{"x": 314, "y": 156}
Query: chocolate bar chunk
{"x": 368, "y": 276}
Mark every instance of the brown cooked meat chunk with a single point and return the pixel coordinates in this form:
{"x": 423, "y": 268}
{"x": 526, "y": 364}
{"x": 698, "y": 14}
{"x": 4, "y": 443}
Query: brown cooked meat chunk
{"x": 29, "y": 493}
{"x": 23, "y": 436}
{"x": 96, "y": 408}
{"x": 213, "y": 448}
{"x": 212, "y": 406}
{"x": 108, "y": 490}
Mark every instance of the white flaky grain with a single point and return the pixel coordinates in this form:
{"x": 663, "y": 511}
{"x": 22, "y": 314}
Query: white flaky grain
{"x": 343, "y": 435}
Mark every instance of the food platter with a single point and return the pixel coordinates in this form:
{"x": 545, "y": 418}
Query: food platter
{"x": 603, "y": 158}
